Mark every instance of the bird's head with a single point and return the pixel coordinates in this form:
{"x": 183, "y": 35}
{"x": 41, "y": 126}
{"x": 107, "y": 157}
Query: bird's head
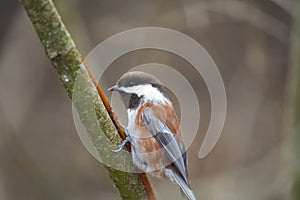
{"x": 136, "y": 87}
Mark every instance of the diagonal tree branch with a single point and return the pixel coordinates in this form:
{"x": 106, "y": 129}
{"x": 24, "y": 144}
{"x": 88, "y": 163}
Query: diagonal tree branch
{"x": 66, "y": 59}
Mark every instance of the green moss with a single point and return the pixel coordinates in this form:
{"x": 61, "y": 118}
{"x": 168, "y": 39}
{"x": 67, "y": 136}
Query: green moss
{"x": 61, "y": 50}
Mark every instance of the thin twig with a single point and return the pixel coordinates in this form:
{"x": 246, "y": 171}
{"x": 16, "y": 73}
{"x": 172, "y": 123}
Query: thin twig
{"x": 121, "y": 131}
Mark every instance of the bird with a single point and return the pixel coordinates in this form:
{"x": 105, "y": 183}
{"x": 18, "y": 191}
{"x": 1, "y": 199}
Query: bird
{"x": 153, "y": 129}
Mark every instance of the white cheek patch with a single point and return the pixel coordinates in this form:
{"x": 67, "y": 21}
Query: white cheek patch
{"x": 149, "y": 93}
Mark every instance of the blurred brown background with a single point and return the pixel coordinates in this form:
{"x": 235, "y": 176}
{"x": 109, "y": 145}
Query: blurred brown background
{"x": 41, "y": 156}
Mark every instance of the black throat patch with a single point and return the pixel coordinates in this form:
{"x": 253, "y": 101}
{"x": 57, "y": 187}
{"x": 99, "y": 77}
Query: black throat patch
{"x": 134, "y": 101}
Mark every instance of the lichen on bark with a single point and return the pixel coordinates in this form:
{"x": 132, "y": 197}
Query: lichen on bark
{"x": 61, "y": 50}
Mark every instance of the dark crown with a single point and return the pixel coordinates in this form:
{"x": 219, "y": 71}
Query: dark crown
{"x": 137, "y": 78}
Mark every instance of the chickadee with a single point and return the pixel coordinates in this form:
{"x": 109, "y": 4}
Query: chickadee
{"x": 153, "y": 129}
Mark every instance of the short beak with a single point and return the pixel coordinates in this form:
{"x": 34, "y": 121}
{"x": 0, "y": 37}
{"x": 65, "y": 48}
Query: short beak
{"x": 114, "y": 88}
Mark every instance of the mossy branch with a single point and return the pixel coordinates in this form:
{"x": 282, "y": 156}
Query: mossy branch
{"x": 66, "y": 59}
{"x": 293, "y": 111}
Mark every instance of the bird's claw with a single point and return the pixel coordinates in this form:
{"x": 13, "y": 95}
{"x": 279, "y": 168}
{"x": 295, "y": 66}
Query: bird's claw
{"x": 122, "y": 145}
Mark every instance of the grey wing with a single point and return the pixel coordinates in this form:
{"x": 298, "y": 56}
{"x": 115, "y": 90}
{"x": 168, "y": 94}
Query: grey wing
{"x": 184, "y": 158}
{"x": 163, "y": 135}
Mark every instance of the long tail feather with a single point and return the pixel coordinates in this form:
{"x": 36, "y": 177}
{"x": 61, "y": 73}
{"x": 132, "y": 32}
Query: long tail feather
{"x": 182, "y": 184}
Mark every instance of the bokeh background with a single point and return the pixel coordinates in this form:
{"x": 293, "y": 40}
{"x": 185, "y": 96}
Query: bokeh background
{"x": 41, "y": 155}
